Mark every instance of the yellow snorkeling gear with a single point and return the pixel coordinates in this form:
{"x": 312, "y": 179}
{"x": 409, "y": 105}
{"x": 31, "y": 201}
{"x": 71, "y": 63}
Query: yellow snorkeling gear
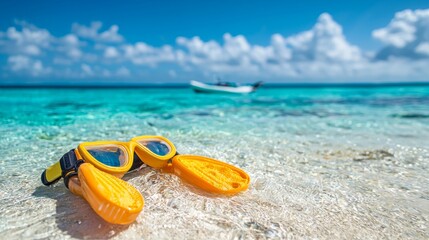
{"x": 117, "y": 158}
{"x": 113, "y": 199}
{"x": 160, "y": 153}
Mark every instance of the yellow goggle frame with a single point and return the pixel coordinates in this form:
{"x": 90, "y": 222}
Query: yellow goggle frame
{"x": 54, "y": 172}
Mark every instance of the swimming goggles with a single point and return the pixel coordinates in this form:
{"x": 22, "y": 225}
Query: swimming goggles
{"x": 94, "y": 162}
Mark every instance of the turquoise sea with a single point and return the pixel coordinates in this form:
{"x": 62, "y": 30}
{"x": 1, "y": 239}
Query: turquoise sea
{"x": 325, "y": 163}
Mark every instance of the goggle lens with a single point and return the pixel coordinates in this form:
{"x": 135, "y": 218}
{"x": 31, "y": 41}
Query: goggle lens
{"x": 110, "y": 155}
{"x": 158, "y": 147}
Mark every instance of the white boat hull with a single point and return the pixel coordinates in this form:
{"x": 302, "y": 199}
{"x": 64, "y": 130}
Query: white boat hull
{"x": 206, "y": 88}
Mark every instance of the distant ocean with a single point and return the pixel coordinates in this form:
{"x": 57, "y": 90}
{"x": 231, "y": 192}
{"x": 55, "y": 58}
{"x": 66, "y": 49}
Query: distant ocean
{"x": 325, "y": 162}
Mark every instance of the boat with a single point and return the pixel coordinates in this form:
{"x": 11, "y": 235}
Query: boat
{"x": 223, "y": 87}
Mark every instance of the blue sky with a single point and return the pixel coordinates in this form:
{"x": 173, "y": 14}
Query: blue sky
{"x": 171, "y": 41}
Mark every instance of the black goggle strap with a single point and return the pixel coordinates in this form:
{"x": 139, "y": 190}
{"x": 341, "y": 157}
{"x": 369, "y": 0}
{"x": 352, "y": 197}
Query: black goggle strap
{"x": 170, "y": 161}
{"x": 137, "y": 163}
{"x": 69, "y": 165}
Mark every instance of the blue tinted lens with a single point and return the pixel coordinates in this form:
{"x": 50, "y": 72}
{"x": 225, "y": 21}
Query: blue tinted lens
{"x": 158, "y": 148}
{"x": 107, "y": 157}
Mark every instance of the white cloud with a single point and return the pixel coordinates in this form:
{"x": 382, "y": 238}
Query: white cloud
{"x": 111, "y": 52}
{"x": 92, "y": 32}
{"x": 71, "y": 40}
{"x": 400, "y": 31}
{"x": 18, "y": 63}
{"x": 407, "y": 35}
{"x": 70, "y": 45}
{"x": 236, "y": 47}
{"x": 40, "y": 37}
{"x": 111, "y": 35}
{"x": 235, "y": 55}
{"x": 32, "y": 50}
{"x": 144, "y": 54}
{"x": 423, "y": 48}
{"x": 303, "y": 54}
{"x": 86, "y": 69}
{"x": 123, "y": 72}
{"x": 199, "y": 50}
{"x": 24, "y": 64}
{"x": 28, "y": 40}
{"x": 319, "y": 53}
{"x": 324, "y": 42}
{"x": 74, "y": 53}
{"x": 280, "y": 53}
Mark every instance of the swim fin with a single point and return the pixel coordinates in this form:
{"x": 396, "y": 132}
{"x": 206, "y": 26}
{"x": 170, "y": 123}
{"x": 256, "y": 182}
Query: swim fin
{"x": 209, "y": 174}
{"x": 113, "y": 199}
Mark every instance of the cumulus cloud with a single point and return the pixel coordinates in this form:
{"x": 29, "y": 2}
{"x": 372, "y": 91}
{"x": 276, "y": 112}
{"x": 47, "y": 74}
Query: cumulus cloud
{"x": 144, "y": 54}
{"x": 324, "y": 42}
{"x": 28, "y": 40}
{"x": 40, "y": 37}
{"x": 235, "y": 55}
{"x": 70, "y": 45}
{"x": 31, "y": 50}
{"x": 407, "y": 35}
{"x": 111, "y": 52}
{"x": 285, "y": 56}
{"x": 25, "y": 39}
{"x": 92, "y": 32}
{"x": 21, "y": 63}
{"x": 319, "y": 53}
{"x": 423, "y": 48}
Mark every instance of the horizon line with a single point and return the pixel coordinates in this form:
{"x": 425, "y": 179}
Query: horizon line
{"x": 186, "y": 85}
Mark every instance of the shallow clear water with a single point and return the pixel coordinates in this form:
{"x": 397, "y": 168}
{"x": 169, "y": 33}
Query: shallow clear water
{"x": 324, "y": 162}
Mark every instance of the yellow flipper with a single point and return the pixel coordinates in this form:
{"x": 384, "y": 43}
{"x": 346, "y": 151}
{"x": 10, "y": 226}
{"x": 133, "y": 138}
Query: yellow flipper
{"x": 113, "y": 199}
{"x": 210, "y": 175}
